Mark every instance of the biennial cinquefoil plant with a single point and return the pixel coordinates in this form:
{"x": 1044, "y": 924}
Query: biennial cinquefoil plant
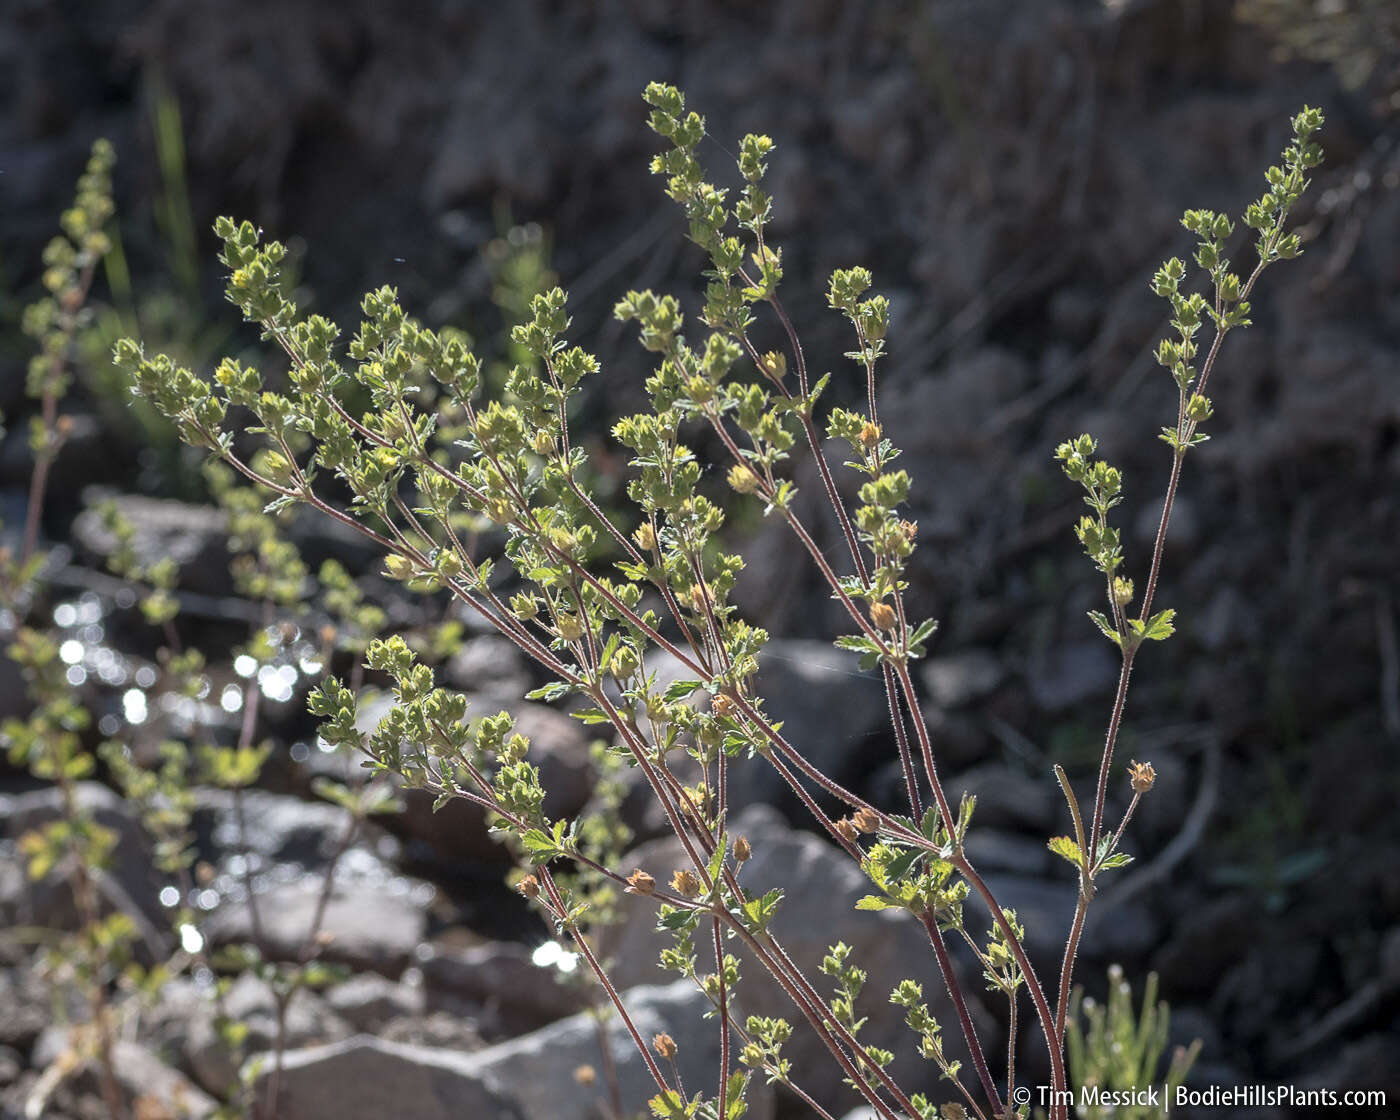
{"x": 485, "y": 497}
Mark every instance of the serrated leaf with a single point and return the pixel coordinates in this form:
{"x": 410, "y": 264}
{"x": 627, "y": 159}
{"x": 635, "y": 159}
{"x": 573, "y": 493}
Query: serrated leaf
{"x": 1066, "y": 848}
{"x": 591, "y": 716}
{"x": 674, "y": 919}
{"x": 875, "y": 902}
{"x": 1160, "y": 626}
{"x": 679, "y": 690}
{"x": 1117, "y": 859}
{"x": 1102, "y": 622}
{"x": 901, "y": 864}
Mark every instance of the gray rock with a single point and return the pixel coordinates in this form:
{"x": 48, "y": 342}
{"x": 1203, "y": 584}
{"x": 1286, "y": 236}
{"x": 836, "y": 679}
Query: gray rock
{"x": 1208, "y": 939}
{"x": 194, "y": 536}
{"x": 367, "y": 924}
{"x": 1006, "y": 799}
{"x": 488, "y": 664}
{"x": 991, "y": 850}
{"x": 1371, "y": 1062}
{"x": 962, "y": 678}
{"x": 528, "y": 1078}
{"x": 827, "y": 708}
{"x": 507, "y": 984}
{"x": 24, "y": 1007}
{"x": 154, "y": 1087}
{"x": 282, "y": 829}
{"x": 822, "y": 886}
{"x": 11, "y": 1065}
{"x": 365, "y": 1078}
{"x": 1046, "y": 909}
{"x": 190, "y": 1026}
{"x": 1073, "y": 673}
{"x": 537, "y": 1070}
{"x": 457, "y": 832}
{"x": 1183, "y": 530}
{"x": 368, "y": 1000}
{"x": 129, "y": 884}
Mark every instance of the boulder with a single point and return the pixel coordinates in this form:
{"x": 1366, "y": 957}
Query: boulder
{"x": 533, "y": 1077}
{"x": 129, "y": 884}
{"x": 154, "y": 1088}
{"x": 502, "y": 983}
{"x": 249, "y": 1001}
{"x": 457, "y": 834}
{"x": 822, "y": 886}
{"x": 367, "y": 924}
{"x": 194, "y": 536}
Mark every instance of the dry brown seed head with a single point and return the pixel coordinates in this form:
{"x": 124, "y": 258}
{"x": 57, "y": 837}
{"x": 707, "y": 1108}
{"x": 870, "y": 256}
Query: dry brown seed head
{"x": 529, "y": 887}
{"x": 664, "y": 1045}
{"x": 882, "y": 615}
{"x": 742, "y": 850}
{"x": 867, "y": 820}
{"x": 846, "y": 830}
{"x": 639, "y": 882}
{"x": 723, "y": 706}
{"x": 686, "y": 883}
{"x": 869, "y": 435}
{"x": 1141, "y": 775}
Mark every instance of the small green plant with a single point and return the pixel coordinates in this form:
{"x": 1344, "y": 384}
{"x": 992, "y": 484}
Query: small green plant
{"x": 72, "y": 845}
{"x": 1114, "y": 1052}
{"x": 589, "y": 595}
{"x": 112, "y": 960}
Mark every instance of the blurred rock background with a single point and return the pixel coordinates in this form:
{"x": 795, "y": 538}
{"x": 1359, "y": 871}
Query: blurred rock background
{"x": 1012, "y": 171}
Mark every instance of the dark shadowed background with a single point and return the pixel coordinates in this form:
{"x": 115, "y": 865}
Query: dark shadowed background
{"x": 1012, "y": 171}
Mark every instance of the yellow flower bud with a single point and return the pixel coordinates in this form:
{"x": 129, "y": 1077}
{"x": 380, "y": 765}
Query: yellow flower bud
{"x": 399, "y": 567}
{"x": 742, "y": 479}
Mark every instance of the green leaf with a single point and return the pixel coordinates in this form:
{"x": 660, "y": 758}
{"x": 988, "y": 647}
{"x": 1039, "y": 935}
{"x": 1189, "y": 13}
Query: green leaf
{"x": 874, "y": 902}
{"x": 759, "y": 911}
{"x": 679, "y": 690}
{"x": 901, "y": 864}
{"x": 674, "y": 918}
{"x": 539, "y": 846}
{"x": 1102, "y": 622}
{"x": 1160, "y": 626}
{"x": 1066, "y": 848}
{"x": 591, "y": 716}
{"x": 1117, "y": 859}
{"x": 921, "y": 634}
